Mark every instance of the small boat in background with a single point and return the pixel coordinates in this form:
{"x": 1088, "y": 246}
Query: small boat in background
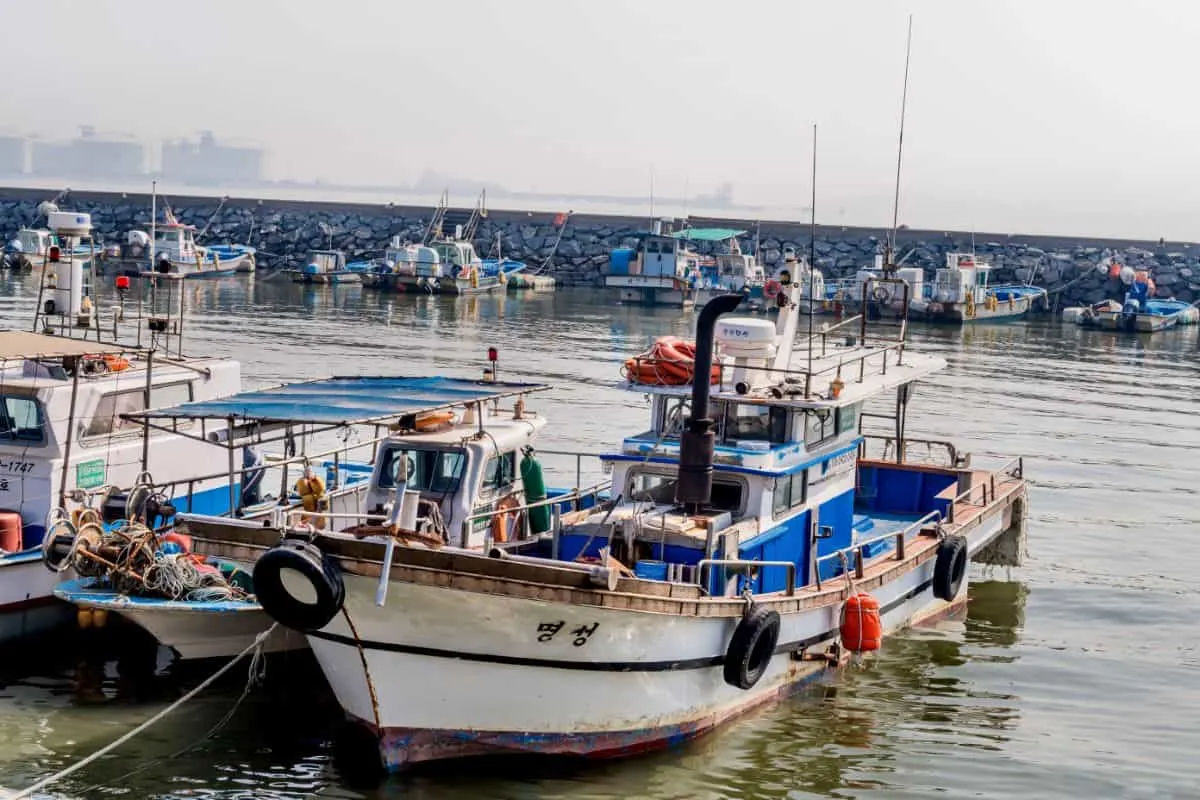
{"x": 327, "y": 267}
{"x": 1141, "y": 312}
{"x": 960, "y": 293}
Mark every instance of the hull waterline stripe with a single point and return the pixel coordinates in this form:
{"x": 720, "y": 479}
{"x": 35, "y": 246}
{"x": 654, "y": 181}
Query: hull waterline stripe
{"x": 591, "y": 666}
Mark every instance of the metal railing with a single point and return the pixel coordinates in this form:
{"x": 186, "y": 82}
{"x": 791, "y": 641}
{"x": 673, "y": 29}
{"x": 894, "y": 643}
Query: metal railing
{"x": 573, "y": 496}
{"x": 737, "y": 562}
{"x": 953, "y": 457}
{"x": 854, "y": 553}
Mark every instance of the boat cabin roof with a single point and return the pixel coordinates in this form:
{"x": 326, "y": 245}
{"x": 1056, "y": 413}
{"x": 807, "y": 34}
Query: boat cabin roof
{"x": 340, "y": 401}
{"x": 707, "y": 234}
{"x": 23, "y": 344}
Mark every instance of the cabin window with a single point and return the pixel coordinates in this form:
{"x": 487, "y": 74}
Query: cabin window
{"x": 659, "y": 488}
{"x": 106, "y": 421}
{"x": 744, "y": 422}
{"x": 791, "y": 491}
{"x": 847, "y": 418}
{"x": 438, "y": 471}
{"x": 675, "y": 413}
{"x": 820, "y": 426}
{"x": 22, "y": 421}
{"x": 501, "y": 470}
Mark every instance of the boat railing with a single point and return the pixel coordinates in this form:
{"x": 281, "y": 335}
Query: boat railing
{"x": 853, "y": 558}
{"x": 901, "y": 455}
{"x": 987, "y": 490}
{"x": 578, "y": 455}
{"x": 575, "y": 497}
{"x": 746, "y": 565}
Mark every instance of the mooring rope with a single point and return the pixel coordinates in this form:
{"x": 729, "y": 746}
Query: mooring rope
{"x": 259, "y": 642}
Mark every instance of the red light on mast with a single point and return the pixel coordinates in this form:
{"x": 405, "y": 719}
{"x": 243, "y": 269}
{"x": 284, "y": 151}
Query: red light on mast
{"x": 493, "y": 355}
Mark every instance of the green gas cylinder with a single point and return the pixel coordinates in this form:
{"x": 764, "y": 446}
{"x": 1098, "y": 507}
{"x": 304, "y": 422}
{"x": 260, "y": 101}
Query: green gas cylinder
{"x": 535, "y": 491}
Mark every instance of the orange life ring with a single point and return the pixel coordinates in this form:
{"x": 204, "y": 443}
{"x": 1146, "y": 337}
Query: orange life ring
{"x": 772, "y": 288}
{"x": 184, "y": 542}
{"x": 670, "y": 361}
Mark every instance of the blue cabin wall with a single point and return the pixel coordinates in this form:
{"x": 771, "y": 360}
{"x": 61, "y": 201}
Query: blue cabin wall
{"x": 892, "y": 490}
{"x": 836, "y": 513}
{"x": 787, "y": 541}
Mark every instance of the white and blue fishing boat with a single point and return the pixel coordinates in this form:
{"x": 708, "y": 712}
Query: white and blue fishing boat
{"x": 1141, "y": 311}
{"x": 664, "y": 269}
{"x": 960, "y": 293}
{"x": 457, "y": 464}
{"x": 64, "y": 442}
{"x": 328, "y": 267}
{"x": 759, "y": 531}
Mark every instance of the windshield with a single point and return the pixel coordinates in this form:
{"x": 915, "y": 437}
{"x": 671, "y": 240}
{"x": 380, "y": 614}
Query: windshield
{"x": 438, "y": 471}
{"x": 21, "y": 421}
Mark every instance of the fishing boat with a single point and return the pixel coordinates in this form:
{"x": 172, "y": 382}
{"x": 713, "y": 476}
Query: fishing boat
{"x": 758, "y": 533}
{"x": 448, "y": 466}
{"x": 892, "y": 300}
{"x": 327, "y": 267}
{"x": 1141, "y": 312}
{"x": 960, "y": 293}
{"x": 30, "y": 245}
{"x": 664, "y": 269}
{"x": 64, "y": 441}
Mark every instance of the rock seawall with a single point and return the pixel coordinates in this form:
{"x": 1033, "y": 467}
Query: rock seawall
{"x": 284, "y": 230}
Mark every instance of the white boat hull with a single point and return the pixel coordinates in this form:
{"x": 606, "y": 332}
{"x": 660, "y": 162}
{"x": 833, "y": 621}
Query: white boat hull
{"x": 444, "y": 672}
{"x": 27, "y": 603}
{"x": 195, "y": 630}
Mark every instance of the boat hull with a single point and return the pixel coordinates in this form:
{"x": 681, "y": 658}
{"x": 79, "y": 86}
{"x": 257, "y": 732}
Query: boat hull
{"x": 27, "y": 604}
{"x": 1134, "y": 323}
{"x": 326, "y": 278}
{"x": 961, "y": 313}
{"x": 192, "y": 630}
{"x": 445, "y": 672}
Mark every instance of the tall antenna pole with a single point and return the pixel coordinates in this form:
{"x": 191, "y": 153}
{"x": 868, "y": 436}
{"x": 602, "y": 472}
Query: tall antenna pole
{"x": 812, "y": 249}
{"x": 900, "y": 149}
{"x": 651, "y": 195}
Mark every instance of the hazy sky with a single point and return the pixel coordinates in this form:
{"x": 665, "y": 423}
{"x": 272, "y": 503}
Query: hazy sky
{"x": 1038, "y": 116}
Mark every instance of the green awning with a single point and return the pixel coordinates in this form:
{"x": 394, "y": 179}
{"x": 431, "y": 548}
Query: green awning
{"x": 707, "y": 234}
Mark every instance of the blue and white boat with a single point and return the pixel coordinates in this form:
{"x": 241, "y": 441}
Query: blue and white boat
{"x": 1140, "y": 312}
{"x": 749, "y": 518}
{"x": 960, "y": 293}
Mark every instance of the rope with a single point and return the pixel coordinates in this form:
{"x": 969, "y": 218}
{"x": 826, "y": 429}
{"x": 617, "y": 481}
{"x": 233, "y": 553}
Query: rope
{"x": 258, "y": 643}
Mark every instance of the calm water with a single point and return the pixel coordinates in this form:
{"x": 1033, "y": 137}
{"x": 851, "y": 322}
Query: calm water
{"x": 1073, "y": 676}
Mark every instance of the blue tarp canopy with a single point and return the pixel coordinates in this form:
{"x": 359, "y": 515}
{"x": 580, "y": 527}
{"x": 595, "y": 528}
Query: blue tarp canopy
{"x": 342, "y": 400}
{"x": 707, "y": 234}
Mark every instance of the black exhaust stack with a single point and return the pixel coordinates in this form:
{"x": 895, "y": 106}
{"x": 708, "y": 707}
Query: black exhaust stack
{"x": 694, "y": 486}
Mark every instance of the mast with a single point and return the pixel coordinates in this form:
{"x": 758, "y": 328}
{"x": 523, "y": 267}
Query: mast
{"x": 153, "y": 219}
{"x": 888, "y": 261}
{"x": 812, "y": 250}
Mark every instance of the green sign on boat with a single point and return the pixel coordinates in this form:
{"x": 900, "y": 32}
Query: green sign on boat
{"x": 89, "y": 474}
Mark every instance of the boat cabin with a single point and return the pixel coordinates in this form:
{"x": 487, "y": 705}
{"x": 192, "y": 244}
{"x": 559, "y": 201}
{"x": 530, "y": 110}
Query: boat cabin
{"x": 964, "y": 276}
{"x": 34, "y": 241}
{"x": 43, "y": 379}
{"x": 177, "y": 241}
{"x": 455, "y": 256}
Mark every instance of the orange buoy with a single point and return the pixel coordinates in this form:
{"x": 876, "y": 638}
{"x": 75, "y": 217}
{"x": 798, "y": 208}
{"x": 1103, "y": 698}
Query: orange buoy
{"x": 862, "y": 628}
{"x": 10, "y": 531}
{"x": 1114, "y": 271}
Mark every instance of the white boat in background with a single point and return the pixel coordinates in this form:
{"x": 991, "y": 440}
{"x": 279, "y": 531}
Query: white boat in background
{"x": 960, "y": 293}
{"x": 758, "y": 533}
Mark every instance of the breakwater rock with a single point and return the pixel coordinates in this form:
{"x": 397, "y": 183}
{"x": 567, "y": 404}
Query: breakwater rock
{"x": 283, "y": 231}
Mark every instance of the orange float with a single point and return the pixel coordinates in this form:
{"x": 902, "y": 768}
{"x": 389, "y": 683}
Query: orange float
{"x": 862, "y": 628}
{"x": 1114, "y": 271}
{"x": 670, "y": 361}
{"x": 10, "y": 532}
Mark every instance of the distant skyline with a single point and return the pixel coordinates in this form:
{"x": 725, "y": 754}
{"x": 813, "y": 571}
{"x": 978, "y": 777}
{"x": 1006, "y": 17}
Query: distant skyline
{"x": 1046, "y": 117}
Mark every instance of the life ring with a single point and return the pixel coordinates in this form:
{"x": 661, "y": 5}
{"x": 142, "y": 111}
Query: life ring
{"x": 311, "y": 575}
{"x": 950, "y": 567}
{"x": 115, "y": 363}
{"x": 184, "y": 542}
{"x": 772, "y": 288}
{"x": 751, "y": 648}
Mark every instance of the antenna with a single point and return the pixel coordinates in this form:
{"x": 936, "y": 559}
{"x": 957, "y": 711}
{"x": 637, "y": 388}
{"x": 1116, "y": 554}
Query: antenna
{"x": 652, "y": 195}
{"x": 812, "y": 249}
{"x": 899, "y": 151}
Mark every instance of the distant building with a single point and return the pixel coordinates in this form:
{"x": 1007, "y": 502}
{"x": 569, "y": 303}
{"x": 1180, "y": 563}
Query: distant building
{"x": 208, "y": 163}
{"x": 90, "y": 156}
{"x": 14, "y": 155}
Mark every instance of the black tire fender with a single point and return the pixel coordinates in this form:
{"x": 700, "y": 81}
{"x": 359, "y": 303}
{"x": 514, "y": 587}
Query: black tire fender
{"x": 751, "y": 647}
{"x": 303, "y": 563}
{"x": 950, "y": 568}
